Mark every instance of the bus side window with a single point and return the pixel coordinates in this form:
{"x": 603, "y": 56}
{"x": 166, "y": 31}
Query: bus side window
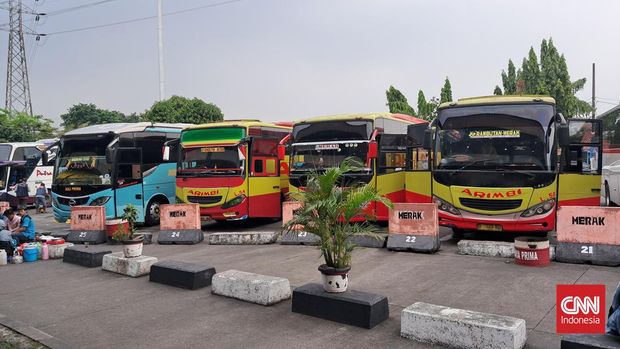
{"x": 270, "y": 167}
{"x": 392, "y": 162}
{"x": 420, "y": 159}
{"x": 257, "y": 167}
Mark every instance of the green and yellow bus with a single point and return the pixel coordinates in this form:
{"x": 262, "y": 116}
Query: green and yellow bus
{"x": 504, "y": 163}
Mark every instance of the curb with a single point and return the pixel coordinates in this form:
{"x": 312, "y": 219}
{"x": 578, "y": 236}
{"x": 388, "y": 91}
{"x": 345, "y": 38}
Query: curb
{"x": 33, "y": 333}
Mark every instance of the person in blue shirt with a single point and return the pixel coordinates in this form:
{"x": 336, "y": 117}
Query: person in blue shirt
{"x": 25, "y": 232}
{"x": 613, "y": 323}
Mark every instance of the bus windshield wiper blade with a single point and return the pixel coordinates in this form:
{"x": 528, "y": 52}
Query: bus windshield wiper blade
{"x": 475, "y": 162}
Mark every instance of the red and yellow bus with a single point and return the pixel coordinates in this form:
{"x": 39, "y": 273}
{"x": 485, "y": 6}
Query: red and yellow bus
{"x": 504, "y": 163}
{"x": 232, "y": 169}
{"x": 377, "y": 140}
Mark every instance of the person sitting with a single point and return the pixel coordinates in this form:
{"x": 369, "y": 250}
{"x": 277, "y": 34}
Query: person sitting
{"x": 12, "y": 220}
{"x": 25, "y": 232}
{"x": 613, "y": 322}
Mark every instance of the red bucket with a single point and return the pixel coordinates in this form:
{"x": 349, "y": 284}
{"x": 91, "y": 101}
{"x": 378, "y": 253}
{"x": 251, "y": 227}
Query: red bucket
{"x": 112, "y": 225}
{"x": 532, "y": 251}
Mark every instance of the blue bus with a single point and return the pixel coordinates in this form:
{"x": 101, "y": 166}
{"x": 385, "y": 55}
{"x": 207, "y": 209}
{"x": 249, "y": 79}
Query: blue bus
{"x": 113, "y": 165}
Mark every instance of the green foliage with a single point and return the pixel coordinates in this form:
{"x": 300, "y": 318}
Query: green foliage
{"x": 178, "y": 109}
{"x": 327, "y": 210}
{"x": 130, "y": 214}
{"x": 497, "y": 91}
{"x": 82, "y": 115}
{"x": 423, "y": 106}
{"x": 549, "y": 76}
{"x": 21, "y": 127}
{"x": 446, "y": 92}
{"x": 397, "y": 102}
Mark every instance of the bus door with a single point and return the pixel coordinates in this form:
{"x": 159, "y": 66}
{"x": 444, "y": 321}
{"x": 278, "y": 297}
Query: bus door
{"x": 391, "y": 163}
{"x": 264, "y": 179}
{"x": 581, "y": 162}
{"x": 418, "y": 177}
{"x": 128, "y": 181}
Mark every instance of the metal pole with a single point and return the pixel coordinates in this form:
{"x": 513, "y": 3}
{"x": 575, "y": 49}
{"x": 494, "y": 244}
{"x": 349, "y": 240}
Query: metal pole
{"x": 160, "y": 30}
{"x": 593, "y": 90}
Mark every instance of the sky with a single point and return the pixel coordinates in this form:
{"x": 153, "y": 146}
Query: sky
{"x": 289, "y": 59}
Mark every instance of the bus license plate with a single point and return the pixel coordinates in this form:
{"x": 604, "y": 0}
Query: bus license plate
{"x": 490, "y": 227}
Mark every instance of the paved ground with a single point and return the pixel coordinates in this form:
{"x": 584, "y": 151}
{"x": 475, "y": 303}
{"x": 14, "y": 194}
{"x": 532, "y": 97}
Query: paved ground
{"x": 90, "y": 308}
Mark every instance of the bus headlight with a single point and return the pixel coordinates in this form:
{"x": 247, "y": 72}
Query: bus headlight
{"x": 443, "y": 205}
{"x": 539, "y": 209}
{"x": 234, "y": 202}
{"x": 100, "y": 201}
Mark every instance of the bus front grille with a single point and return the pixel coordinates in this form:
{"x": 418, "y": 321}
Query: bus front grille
{"x": 490, "y": 205}
{"x": 204, "y": 200}
{"x": 72, "y": 201}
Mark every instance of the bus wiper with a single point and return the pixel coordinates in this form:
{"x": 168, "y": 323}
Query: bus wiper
{"x": 475, "y": 162}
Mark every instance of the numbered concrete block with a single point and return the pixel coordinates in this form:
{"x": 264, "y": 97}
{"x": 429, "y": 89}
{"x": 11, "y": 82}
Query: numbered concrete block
{"x": 492, "y": 249}
{"x": 413, "y": 227}
{"x": 299, "y": 238}
{"x": 86, "y": 256}
{"x": 458, "y": 328}
{"x": 134, "y": 267}
{"x": 355, "y": 308}
{"x": 243, "y": 238}
{"x": 180, "y": 217}
{"x": 288, "y": 212}
{"x": 249, "y": 287}
{"x": 180, "y": 237}
{"x": 182, "y": 274}
{"x": 588, "y": 235}
{"x": 58, "y": 251}
{"x": 590, "y": 341}
{"x": 87, "y": 236}
{"x": 88, "y": 218}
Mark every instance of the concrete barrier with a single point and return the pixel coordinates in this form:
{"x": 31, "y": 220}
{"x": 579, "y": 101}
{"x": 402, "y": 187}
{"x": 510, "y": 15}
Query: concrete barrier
{"x": 58, "y": 251}
{"x": 459, "y": 328}
{"x": 590, "y": 341}
{"x": 180, "y": 225}
{"x": 483, "y": 248}
{"x": 134, "y": 267}
{"x": 588, "y": 234}
{"x": 249, "y": 287}
{"x": 87, "y": 225}
{"x": 413, "y": 227}
{"x": 182, "y": 274}
{"x": 86, "y": 256}
{"x": 243, "y": 238}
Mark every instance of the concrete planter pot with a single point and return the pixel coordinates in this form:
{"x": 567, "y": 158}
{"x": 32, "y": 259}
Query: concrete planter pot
{"x": 133, "y": 248}
{"x": 335, "y": 280}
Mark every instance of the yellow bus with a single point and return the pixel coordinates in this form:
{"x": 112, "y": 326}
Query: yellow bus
{"x": 377, "y": 140}
{"x": 232, "y": 169}
{"x": 505, "y": 163}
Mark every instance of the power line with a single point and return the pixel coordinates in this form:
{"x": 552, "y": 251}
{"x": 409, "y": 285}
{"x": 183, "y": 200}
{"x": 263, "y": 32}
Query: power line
{"x": 75, "y": 8}
{"x": 135, "y": 19}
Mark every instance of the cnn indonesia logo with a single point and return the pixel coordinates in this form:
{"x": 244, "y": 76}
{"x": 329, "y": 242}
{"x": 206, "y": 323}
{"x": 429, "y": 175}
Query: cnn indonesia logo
{"x": 580, "y": 308}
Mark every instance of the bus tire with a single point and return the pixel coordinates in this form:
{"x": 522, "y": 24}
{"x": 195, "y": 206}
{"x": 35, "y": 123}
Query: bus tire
{"x": 607, "y": 198}
{"x": 151, "y": 214}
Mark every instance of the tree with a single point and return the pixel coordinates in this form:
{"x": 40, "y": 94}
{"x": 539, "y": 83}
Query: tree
{"x": 446, "y": 92}
{"x": 177, "y": 109}
{"x": 21, "y": 127}
{"x": 81, "y": 115}
{"x": 497, "y": 91}
{"x": 549, "y": 76}
{"x": 397, "y": 102}
{"x": 423, "y": 110}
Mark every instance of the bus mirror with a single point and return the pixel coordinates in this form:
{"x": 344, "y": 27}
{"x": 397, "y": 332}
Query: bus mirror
{"x": 428, "y": 135}
{"x": 44, "y": 158}
{"x": 166, "y": 153}
{"x": 373, "y": 149}
{"x": 281, "y": 152}
{"x": 109, "y": 155}
{"x": 563, "y": 138}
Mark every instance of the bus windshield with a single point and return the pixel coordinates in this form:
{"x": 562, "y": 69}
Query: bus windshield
{"x": 83, "y": 162}
{"x": 5, "y": 152}
{"x": 495, "y": 142}
{"x": 306, "y": 157}
{"x": 211, "y": 161}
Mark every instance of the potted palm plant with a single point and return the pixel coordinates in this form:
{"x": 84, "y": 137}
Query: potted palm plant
{"x": 132, "y": 243}
{"x": 328, "y": 206}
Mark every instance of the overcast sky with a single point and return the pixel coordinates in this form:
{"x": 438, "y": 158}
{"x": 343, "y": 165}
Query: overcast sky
{"x": 288, "y": 59}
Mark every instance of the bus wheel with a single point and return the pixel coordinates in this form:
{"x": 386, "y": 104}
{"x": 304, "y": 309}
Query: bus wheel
{"x": 607, "y": 199}
{"x": 151, "y": 214}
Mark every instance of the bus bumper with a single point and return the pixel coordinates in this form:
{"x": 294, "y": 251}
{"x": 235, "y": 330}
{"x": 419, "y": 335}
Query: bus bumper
{"x": 63, "y": 212}
{"x": 509, "y": 222}
{"x": 235, "y": 213}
